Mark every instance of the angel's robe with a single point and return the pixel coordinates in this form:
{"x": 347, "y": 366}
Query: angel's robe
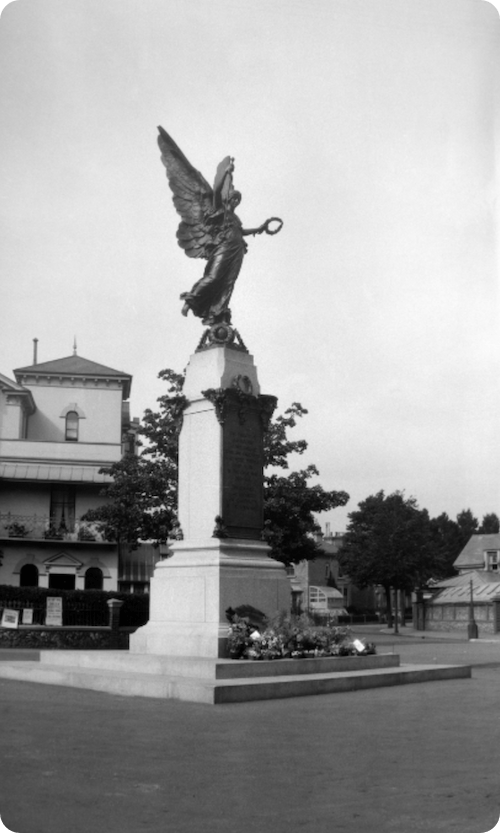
{"x": 209, "y": 298}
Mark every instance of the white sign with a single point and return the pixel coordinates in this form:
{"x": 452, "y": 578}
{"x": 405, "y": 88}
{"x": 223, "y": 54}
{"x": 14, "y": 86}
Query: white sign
{"x": 10, "y": 618}
{"x": 53, "y": 614}
{"x": 27, "y": 617}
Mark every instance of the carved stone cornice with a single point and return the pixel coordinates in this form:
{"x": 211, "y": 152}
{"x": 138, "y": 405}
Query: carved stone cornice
{"x": 235, "y": 397}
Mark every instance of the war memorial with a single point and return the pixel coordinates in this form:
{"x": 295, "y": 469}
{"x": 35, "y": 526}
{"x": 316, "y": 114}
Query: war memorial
{"x": 219, "y": 559}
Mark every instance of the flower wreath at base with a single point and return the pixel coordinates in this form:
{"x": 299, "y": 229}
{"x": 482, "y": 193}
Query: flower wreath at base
{"x": 290, "y": 637}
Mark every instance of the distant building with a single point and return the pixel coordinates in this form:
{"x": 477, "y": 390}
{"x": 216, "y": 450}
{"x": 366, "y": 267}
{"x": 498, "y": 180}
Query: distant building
{"x": 477, "y": 588}
{"x": 60, "y": 422}
{"x": 324, "y": 574}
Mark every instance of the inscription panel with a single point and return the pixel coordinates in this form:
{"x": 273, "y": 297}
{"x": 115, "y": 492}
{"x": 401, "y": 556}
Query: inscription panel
{"x": 242, "y": 472}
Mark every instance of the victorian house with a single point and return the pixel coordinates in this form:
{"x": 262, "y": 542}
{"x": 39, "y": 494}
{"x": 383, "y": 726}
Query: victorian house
{"x": 61, "y": 421}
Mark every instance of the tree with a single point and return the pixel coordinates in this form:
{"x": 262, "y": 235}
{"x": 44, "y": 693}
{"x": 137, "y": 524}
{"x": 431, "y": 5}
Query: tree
{"x": 388, "y": 542}
{"x": 490, "y": 525}
{"x": 289, "y": 506}
{"x": 447, "y": 541}
{"x": 468, "y": 526}
{"x": 142, "y": 500}
{"x": 290, "y": 502}
{"x": 451, "y": 536}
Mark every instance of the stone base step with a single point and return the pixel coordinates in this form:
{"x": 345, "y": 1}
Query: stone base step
{"x": 212, "y": 668}
{"x": 203, "y": 690}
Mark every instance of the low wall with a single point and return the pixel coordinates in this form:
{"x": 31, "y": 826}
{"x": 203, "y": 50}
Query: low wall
{"x": 455, "y": 617}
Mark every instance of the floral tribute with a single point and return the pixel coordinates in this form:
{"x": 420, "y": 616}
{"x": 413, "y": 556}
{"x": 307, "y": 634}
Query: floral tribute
{"x": 290, "y": 637}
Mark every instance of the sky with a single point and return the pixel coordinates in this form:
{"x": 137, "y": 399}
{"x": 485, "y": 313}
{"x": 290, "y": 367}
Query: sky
{"x": 369, "y": 126}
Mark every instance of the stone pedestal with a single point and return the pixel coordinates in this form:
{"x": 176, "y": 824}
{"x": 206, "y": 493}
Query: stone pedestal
{"x": 220, "y": 476}
{"x": 191, "y": 591}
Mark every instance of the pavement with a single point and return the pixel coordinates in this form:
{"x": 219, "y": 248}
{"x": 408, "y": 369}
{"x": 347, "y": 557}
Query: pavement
{"x": 454, "y": 636}
{"x": 421, "y": 757}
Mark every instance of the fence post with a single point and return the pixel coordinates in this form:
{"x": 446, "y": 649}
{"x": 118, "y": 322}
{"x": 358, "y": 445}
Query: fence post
{"x": 496, "y": 614}
{"x": 114, "y": 606}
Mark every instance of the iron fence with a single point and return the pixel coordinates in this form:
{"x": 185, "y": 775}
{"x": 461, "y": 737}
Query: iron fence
{"x": 91, "y": 613}
{"x": 74, "y": 614}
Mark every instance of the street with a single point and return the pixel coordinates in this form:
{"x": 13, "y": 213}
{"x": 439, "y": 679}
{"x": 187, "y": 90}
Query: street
{"x": 409, "y": 758}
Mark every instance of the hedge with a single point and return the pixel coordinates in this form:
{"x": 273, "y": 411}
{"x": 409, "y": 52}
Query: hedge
{"x": 133, "y": 613}
{"x": 62, "y": 639}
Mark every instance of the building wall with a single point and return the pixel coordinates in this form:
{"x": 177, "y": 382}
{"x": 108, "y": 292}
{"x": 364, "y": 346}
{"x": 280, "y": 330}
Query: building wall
{"x": 101, "y": 406}
{"x": 455, "y": 617}
{"x": 24, "y": 498}
{"x": 16, "y": 554}
{"x": 10, "y": 417}
{"x": 29, "y": 504}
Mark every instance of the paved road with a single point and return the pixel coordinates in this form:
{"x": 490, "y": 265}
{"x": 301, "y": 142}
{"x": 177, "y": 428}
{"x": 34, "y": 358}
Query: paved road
{"x": 433, "y": 648}
{"x": 412, "y": 758}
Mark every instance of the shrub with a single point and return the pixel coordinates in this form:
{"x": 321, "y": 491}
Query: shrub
{"x": 61, "y": 639}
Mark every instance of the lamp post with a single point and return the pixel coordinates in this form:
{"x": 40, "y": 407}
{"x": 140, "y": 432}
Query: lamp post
{"x": 472, "y": 629}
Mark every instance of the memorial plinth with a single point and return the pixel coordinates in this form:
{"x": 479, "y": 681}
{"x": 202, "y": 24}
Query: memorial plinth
{"x": 222, "y": 561}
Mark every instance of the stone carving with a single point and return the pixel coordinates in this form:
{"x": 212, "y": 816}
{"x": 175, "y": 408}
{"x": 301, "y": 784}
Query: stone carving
{"x": 221, "y": 334}
{"x": 209, "y": 229}
{"x": 220, "y": 530}
{"x": 224, "y": 398}
{"x": 243, "y": 383}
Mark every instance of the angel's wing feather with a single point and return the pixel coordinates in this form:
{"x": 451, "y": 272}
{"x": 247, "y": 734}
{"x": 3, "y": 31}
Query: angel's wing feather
{"x": 193, "y": 198}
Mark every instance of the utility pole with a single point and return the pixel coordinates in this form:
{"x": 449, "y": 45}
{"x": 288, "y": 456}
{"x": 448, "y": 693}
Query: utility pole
{"x": 472, "y": 629}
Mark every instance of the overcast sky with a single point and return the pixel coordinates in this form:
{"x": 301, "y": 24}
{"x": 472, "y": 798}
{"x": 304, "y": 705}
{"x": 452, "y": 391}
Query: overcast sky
{"x": 369, "y": 126}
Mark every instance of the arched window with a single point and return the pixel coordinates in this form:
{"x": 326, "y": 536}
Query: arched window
{"x": 72, "y": 426}
{"x": 28, "y": 576}
{"x": 93, "y": 579}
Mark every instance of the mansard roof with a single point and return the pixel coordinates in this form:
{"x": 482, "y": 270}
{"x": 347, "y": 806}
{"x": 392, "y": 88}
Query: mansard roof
{"x": 473, "y": 552}
{"x": 75, "y": 366}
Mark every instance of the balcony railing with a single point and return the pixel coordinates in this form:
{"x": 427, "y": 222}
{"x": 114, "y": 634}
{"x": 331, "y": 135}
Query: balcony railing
{"x": 41, "y": 527}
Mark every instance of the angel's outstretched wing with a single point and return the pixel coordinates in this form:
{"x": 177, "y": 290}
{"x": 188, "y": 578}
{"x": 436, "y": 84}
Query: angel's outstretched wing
{"x": 193, "y": 199}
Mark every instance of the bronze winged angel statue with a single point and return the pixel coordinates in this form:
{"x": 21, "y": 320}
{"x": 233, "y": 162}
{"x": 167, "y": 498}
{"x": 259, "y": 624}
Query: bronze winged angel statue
{"x": 209, "y": 229}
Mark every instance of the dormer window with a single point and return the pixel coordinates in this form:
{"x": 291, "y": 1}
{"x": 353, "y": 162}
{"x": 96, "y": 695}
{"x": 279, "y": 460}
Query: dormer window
{"x": 492, "y": 560}
{"x": 72, "y": 419}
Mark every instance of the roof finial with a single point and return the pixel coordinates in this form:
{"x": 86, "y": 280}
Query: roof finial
{"x": 35, "y": 350}
{"x": 74, "y": 347}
